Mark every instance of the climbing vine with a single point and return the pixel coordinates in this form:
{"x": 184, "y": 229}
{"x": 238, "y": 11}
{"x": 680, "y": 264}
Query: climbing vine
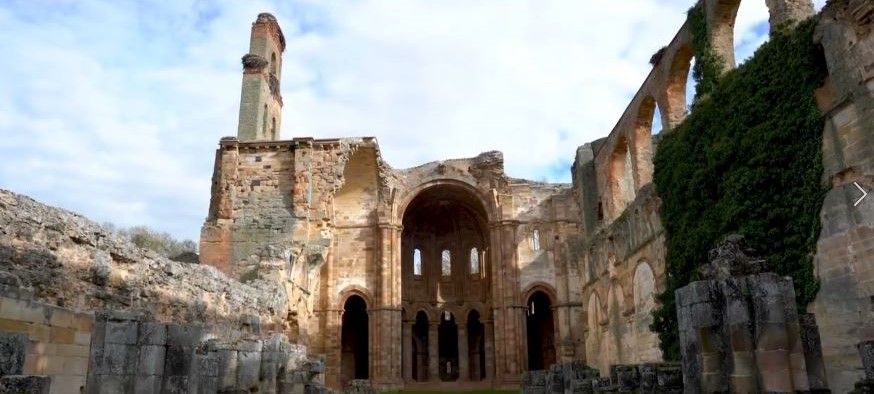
{"x": 747, "y": 160}
{"x": 708, "y": 65}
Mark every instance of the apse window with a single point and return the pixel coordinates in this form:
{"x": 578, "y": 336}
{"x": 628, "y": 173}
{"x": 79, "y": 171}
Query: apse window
{"x": 474, "y": 261}
{"x": 535, "y": 240}
{"x": 446, "y": 262}
{"x": 417, "y": 262}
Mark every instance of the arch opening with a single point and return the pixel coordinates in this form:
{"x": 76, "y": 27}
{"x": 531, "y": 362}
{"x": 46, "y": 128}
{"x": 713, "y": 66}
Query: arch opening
{"x": 420, "y": 348}
{"x": 447, "y": 337}
{"x": 354, "y": 340}
{"x": 476, "y": 345}
{"x": 448, "y": 224}
{"x": 541, "y": 332}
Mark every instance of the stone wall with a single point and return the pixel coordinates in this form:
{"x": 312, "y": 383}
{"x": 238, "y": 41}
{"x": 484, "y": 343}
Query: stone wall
{"x": 56, "y": 340}
{"x": 844, "y": 305}
{"x": 130, "y": 353}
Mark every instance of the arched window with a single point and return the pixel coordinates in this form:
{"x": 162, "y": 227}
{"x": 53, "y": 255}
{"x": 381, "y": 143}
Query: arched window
{"x": 273, "y": 128}
{"x": 474, "y": 261}
{"x": 417, "y": 262}
{"x": 446, "y": 262}
{"x": 273, "y": 63}
{"x": 535, "y": 240}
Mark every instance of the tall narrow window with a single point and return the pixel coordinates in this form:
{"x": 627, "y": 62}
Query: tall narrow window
{"x": 417, "y": 262}
{"x": 273, "y": 63}
{"x": 264, "y": 122}
{"x": 474, "y": 261}
{"x": 535, "y": 240}
{"x": 446, "y": 263}
{"x": 273, "y": 128}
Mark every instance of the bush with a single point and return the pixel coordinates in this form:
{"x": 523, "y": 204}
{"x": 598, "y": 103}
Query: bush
{"x": 164, "y": 244}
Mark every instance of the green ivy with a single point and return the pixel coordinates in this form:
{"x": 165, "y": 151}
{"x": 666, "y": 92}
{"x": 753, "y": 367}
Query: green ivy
{"x": 708, "y": 65}
{"x": 747, "y": 160}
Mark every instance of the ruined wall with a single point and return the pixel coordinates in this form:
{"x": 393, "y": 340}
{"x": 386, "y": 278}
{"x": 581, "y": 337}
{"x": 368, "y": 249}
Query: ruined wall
{"x": 844, "y": 306}
{"x": 57, "y": 339}
{"x": 620, "y": 253}
{"x": 58, "y": 269}
{"x": 69, "y": 261}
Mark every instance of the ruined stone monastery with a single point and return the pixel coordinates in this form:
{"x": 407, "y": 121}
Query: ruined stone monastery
{"x": 325, "y": 268}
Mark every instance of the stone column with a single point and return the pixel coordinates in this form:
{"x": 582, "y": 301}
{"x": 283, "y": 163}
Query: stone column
{"x": 385, "y": 356}
{"x": 489, "y": 348}
{"x": 407, "y": 348}
{"x": 509, "y": 315}
{"x": 463, "y": 355}
{"x": 433, "y": 352}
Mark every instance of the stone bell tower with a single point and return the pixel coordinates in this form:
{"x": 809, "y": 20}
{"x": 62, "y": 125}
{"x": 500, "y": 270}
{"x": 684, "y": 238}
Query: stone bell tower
{"x": 261, "y": 103}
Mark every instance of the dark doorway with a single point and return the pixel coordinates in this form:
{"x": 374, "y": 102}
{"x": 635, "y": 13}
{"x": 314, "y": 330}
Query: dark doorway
{"x": 420, "y": 347}
{"x": 447, "y": 339}
{"x": 354, "y": 340}
{"x": 541, "y": 336}
{"x": 476, "y": 346}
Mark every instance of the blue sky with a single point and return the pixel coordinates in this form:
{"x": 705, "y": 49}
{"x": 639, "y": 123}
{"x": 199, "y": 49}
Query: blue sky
{"x": 114, "y": 108}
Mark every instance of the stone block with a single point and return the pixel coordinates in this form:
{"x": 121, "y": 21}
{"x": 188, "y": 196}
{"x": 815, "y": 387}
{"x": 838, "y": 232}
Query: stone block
{"x": 60, "y": 335}
{"x": 151, "y": 360}
{"x": 119, "y": 359}
{"x": 14, "y": 384}
{"x": 175, "y": 384}
{"x": 121, "y": 332}
{"x": 227, "y": 369}
{"x": 151, "y": 333}
{"x": 82, "y": 338}
{"x": 177, "y": 361}
{"x": 60, "y": 318}
{"x": 16, "y": 325}
{"x": 184, "y": 334}
{"x": 13, "y": 347}
{"x": 866, "y": 352}
{"x": 248, "y": 370}
{"x": 148, "y": 384}
{"x": 72, "y": 350}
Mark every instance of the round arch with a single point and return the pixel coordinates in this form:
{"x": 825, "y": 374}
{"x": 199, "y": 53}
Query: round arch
{"x": 411, "y": 194}
{"x": 543, "y": 287}
{"x": 354, "y": 290}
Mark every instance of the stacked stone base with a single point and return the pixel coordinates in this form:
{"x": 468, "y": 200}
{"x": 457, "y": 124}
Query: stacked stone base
{"x": 13, "y": 347}
{"x": 132, "y": 354}
{"x": 577, "y": 377}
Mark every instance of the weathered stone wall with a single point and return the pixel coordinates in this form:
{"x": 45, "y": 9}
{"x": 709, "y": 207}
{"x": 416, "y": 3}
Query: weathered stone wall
{"x": 69, "y": 261}
{"x": 845, "y": 251}
{"x": 56, "y": 340}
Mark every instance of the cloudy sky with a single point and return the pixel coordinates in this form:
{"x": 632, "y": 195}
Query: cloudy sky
{"x": 114, "y": 108}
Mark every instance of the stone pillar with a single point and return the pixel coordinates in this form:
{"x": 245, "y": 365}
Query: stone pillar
{"x": 407, "y": 349}
{"x": 463, "y": 355}
{"x": 433, "y": 352}
{"x": 744, "y": 376}
{"x": 816, "y": 374}
{"x": 509, "y": 316}
{"x": 489, "y": 348}
{"x": 386, "y": 326}
{"x": 778, "y": 355}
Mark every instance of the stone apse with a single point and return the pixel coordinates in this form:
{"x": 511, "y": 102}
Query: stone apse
{"x": 454, "y": 271}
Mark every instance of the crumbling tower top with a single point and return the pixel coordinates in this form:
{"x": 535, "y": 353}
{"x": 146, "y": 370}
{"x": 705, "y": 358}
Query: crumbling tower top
{"x": 260, "y": 101}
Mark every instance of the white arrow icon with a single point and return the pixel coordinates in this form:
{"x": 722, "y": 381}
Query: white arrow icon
{"x": 864, "y": 194}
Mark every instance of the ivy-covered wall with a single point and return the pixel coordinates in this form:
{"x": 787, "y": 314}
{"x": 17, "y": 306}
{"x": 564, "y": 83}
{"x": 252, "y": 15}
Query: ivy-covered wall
{"x": 746, "y": 160}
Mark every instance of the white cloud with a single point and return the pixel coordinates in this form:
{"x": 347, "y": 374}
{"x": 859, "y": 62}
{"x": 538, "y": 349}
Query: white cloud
{"x": 114, "y": 109}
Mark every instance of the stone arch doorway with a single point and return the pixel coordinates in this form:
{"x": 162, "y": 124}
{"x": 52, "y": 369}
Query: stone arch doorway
{"x": 420, "y": 348}
{"x": 476, "y": 345}
{"x": 446, "y": 265}
{"x": 541, "y": 331}
{"x": 447, "y": 333}
{"x": 354, "y": 340}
